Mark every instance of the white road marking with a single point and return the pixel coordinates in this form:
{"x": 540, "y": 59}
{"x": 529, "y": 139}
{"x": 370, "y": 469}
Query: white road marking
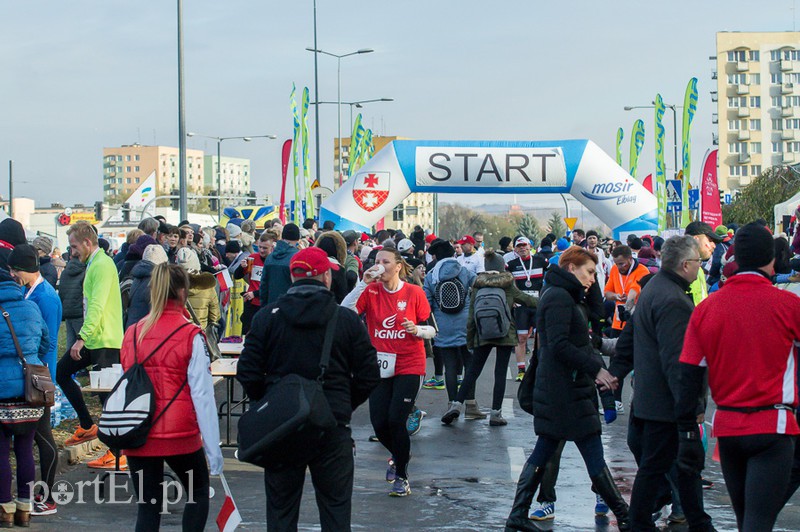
{"x": 516, "y": 461}
{"x": 509, "y": 376}
{"x": 508, "y": 408}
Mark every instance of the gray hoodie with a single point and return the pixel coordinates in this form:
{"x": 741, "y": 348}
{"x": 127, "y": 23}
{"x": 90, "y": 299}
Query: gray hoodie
{"x": 452, "y": 327}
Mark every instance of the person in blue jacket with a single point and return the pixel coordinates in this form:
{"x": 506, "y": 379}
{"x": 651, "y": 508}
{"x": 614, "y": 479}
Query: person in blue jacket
{"x": 24, "y": 265}
{"x": 18, "y": 419}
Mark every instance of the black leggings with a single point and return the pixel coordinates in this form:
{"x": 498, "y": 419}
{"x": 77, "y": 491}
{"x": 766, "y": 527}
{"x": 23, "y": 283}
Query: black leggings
{"x": 48, "y": 452}
{"x": 479, "y": 357}
{"x": 756, "y": 468}
{"x": 68, "y": 366}
{"x": 456, "y": 358}
{"x": 389, "y": 406}
{"x": 149, "y": 472}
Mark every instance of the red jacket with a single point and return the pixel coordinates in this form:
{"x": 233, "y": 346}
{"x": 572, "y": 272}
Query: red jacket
{"x": 176, "y": 432}
{"x": 254, "y": 278}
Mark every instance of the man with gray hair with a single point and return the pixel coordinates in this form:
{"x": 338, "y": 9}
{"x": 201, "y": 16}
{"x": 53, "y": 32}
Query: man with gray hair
{"x": 149, "y": 226}
{"x": 659, "y": 324}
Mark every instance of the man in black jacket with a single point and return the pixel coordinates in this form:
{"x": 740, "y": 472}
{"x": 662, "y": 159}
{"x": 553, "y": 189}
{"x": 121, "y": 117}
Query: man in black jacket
{"x": 286, "y": 337}
{"x": 659, "y": 324}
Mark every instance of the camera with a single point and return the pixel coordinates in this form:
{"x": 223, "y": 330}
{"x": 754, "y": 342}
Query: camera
{"x": 623, "y": 313}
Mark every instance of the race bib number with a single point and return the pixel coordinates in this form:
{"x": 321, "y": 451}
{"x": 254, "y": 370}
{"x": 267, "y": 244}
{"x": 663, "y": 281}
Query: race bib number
{"x": 532, "y": 293}
{"x": 386, "y": 362}
{"x": 255, "y": 275}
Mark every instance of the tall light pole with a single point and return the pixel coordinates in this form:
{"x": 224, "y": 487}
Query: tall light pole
{"x": 316, "y": 94}
{"x": 338, "y": 98}
{"x": 673, "y": 107}
{"x": 183, "y": 206}
{"x": 219, "y": 159}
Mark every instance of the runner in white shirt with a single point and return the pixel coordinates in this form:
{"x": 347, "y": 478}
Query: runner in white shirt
{"x": 469, "y": 259}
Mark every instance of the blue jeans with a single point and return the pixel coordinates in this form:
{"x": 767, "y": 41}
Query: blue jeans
{"x": 591, "y": 450}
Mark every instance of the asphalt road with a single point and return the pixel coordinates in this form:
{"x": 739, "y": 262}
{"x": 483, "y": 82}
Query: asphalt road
{"x": 462, "y": 478}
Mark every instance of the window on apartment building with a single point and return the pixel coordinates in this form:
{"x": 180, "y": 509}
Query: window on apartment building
{"x": 734, "y": 125}
{"x": 737, "y": 147}
{"x": 793, "y": 101}
{"x": 737, "y": 55}
{"x": 135, "y": 157}
{"x": 398, "y": 213}
{"x": 792, "y": 147}
{"x": 119, "y": 169}
{"x": 127, "y": 168}
{"x": 755, "y": 147}
{"x": 774, "y": 55}
{"x": 755, "y": 124}
{"x": 755, "y": 101}
{"x": 776, "y": 78}
{"x": 793, "y": 123}
{"x": 791, "y": 55}
{"x": 777, "y": 147}
{"x": 775, "y": 101}
{"x": 737, "y": 79}
{"x": 135, "y": 168}
{"x": 755, "y": 170}
{"x": 755, "y": 79}
{"x": 136, "y": 180}
{"x": 735, "y": 102}
{"x": 119, "y": 157}
{"x": 754, "y": 55}
{"x": 738, "y": 171}
{"x": 127, "y": 158}
{"x": 777, "y": 124}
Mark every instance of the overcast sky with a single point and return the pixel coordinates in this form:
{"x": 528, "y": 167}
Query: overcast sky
{"x": 81, "y": 75}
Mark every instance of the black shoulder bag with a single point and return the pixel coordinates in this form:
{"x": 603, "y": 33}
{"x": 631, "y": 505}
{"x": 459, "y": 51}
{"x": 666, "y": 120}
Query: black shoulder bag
{"x": 289, "y": 421}
{"x": 39, "y": 387}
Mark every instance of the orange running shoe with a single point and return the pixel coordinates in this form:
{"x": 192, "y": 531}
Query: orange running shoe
{"x": 109, "y": 461}
{"x": 81, "y": 436}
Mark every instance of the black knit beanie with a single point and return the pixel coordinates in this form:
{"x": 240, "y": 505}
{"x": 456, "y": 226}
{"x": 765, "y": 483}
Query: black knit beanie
{"x": 24, "y": 258}
{"x": 754, "y": 247}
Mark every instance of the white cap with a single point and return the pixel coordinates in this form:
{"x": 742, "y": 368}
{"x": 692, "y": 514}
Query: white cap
{"x": 404, "y": 245}
{"x": 521, "y": 240}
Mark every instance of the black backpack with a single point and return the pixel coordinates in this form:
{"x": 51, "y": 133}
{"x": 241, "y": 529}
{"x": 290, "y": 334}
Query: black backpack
{"x": 491, "y": 314}
{"x": 128, "y": 413}
{"x": 125, "y": 296}
{"x": 450, "y": 295}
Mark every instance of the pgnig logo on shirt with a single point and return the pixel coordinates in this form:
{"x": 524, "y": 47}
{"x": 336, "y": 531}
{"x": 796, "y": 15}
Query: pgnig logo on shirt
{"x": 387, "y": 330}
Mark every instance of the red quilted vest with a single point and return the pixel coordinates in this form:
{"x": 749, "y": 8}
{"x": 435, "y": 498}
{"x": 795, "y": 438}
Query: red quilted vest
{"x": 176, "y": 432}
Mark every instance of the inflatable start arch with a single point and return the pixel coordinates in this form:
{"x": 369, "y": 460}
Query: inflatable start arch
{"x": 576, "y": 167}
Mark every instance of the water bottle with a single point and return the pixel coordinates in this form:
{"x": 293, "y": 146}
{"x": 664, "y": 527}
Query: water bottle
{"x": 55, "y": 411}
{"x": 67, "y": 411}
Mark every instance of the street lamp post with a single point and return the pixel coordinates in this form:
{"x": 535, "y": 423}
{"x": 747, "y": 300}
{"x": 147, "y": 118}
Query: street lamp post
{"x": 673, "y": 107}
{"x": 338, "y": 99}
{"x": 219, "y": 159}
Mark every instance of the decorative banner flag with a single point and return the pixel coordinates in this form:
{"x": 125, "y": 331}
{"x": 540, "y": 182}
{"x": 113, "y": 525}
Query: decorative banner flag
{"x": 367, "y": 149}
{"x": 224, "y": 280}
{"x": 229, "y": 517}
{"x": 306, "y": 165}
{"x": 353, "y": 148}
{"x": 710, "y": 209}
{"x": 647, "y": 183}
{"x": 620, "y": 134}
{"x": 661, "y": 169}
{"x": 689, "y": 109}
{"x": 285, "y": 153}
{"x": 296, "y": 156}
{"x": 637, "y": 143}
{"x": 357, "y": 146}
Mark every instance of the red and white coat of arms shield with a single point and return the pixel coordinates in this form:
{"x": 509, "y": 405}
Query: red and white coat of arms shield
{"x": 371, "y": 190}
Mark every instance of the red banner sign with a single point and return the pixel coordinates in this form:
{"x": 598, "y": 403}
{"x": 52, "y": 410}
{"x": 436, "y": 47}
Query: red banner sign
{"x": 285, "y": 153}
{"x": 710, "y": 208}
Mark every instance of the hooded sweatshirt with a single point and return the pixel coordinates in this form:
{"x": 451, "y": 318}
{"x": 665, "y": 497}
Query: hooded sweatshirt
{"x": 276, "y": 278}
{"x": 452, "y": 327}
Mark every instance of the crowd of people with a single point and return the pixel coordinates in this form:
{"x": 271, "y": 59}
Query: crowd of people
{"x": 580, "y": 313}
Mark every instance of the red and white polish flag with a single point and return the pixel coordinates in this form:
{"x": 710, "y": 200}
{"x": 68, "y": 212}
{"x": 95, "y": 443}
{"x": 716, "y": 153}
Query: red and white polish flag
{"x": 229, "y": 517}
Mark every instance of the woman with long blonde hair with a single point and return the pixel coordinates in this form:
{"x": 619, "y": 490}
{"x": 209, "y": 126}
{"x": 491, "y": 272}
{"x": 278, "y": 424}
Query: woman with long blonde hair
{"x": 396, "y": 312}
{"x": 174, "y": 354}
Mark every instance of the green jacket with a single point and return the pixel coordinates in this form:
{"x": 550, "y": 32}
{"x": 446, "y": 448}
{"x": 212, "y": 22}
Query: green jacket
{"x": 699, "y": 287}
{"x": 505, "y": 281}
{"x": 102, "y": 304}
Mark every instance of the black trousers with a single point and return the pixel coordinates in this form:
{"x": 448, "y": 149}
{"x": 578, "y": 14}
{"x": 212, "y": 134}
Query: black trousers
{"x": 390, "y": 403}
{"x": 479, "y": 357}
{"x": 48, "y": 452}
{"x": 456, "y": 358}
{"x": 191, "y": 470}
{"x": 547, "y": 489}
{"x": 248, "y": 312}
{"x": 658, "y": 442}
{"x": 756, "y": 468}
{"x": 66, "y": 367}
{"x": 332, "y": 475}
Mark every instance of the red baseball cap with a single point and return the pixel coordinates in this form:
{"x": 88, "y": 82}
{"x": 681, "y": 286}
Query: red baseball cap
{"x": 364, "y": 237}
{"x": 466, "y": 240}
{"x": 311, "y": 261}
{"x": 430, "y": 238}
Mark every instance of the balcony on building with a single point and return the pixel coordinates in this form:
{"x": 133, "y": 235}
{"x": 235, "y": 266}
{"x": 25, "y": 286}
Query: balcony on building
{"x": 715, "y": 139}
{"x": 744, "y": 158}
{"x": 742, "y": 89}
{"x": 786, "y": 65}
{"x": 787, "y": 88}
{"x": 714, "y": 118}
{"x": 786, "y": 111}
{"x": 742, "y": 66}
{"x": 743, "y": 134}
{"x": 788, "y": 157}
{"x": 787, "y": 134}
{"x": 744, "y": 181}
{"x": 714, "y": 97}
{"x": 743, "y": 112}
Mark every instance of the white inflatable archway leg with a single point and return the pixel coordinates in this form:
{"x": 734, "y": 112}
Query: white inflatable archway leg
{"x": 576, "y": 167}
